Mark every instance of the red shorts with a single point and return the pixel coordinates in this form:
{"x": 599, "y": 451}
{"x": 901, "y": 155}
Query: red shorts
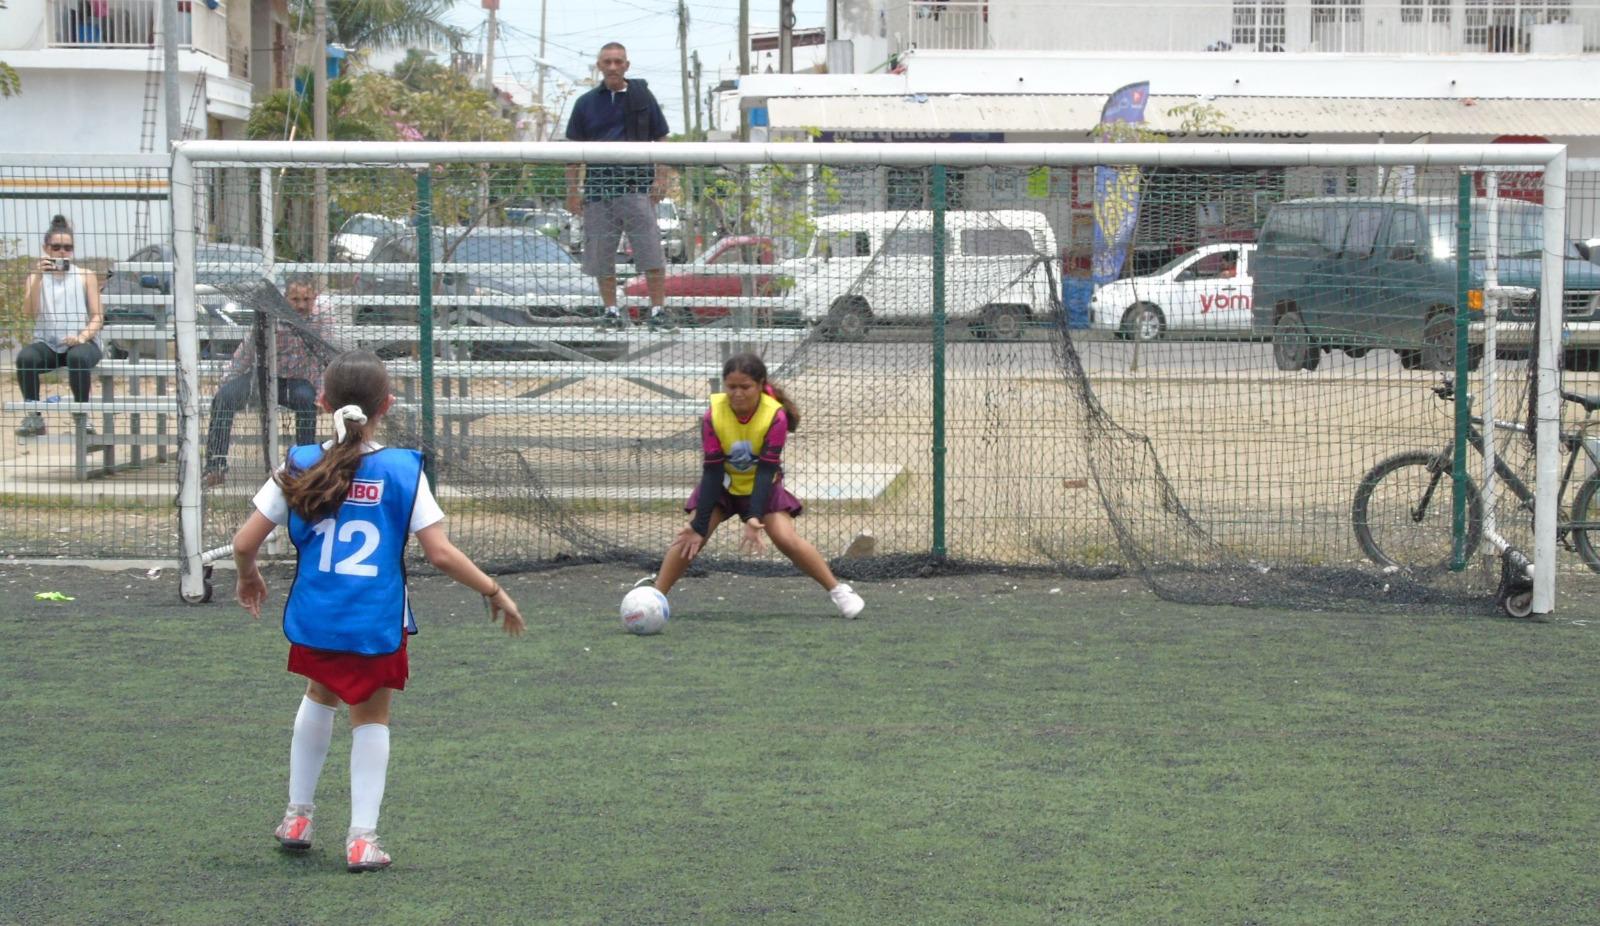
{"x": 351, "y": 676}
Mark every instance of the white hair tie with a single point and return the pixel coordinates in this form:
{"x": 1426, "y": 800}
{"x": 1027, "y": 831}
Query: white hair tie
{"x": 346, "y": 413}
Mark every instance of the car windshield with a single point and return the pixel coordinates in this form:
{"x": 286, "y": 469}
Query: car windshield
{"x": 666, "y": 210}
{"x": 1521, "y": 231}
{"x": 508, "y": 249}
{"x": 219, "y": 264}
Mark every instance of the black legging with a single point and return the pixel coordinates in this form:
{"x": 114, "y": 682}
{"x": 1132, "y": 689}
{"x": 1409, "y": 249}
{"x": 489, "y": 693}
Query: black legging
{"x": 38, "y": 358}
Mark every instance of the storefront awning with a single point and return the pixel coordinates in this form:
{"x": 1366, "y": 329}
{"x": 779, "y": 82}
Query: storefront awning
{"x": 935, "y": 117}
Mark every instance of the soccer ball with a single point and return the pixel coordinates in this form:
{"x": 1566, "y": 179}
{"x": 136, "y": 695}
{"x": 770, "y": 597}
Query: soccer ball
{"x": 645, "y": 611}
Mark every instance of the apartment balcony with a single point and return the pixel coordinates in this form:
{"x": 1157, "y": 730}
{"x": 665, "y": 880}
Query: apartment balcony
{"x": 136, "y": 24}
{"x": 1334, "y": 27}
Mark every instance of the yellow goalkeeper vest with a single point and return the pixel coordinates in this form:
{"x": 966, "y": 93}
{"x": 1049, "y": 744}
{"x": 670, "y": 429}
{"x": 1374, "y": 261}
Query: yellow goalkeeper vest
{"x": 740, "y": 461}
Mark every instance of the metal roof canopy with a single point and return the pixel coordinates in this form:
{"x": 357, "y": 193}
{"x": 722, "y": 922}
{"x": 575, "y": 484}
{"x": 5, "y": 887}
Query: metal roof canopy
{"x": 1247, "y": 116}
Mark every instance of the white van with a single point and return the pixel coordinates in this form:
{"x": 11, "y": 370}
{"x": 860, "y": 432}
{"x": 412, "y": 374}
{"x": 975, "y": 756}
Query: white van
{"x": 867, "y": 267}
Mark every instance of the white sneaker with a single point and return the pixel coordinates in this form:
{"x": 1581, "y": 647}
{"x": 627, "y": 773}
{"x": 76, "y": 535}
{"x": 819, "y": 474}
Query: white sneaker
{"x": 647, "y": 580}
{"x": 847, "y": 601}
{"x": 363, "y": 852}
{"x": 294, "y": 833}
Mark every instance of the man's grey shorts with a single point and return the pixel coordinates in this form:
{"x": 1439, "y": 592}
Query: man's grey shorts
{"x": 605, "y": 220}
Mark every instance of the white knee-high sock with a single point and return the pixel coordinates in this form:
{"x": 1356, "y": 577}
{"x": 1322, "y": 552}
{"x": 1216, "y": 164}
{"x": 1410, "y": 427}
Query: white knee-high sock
{"x": 313, "y": 729}
{"x": 369, "y": 769}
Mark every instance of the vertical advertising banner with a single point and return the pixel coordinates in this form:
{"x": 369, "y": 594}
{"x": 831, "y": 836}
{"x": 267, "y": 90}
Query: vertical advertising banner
{"x": 1116, "y": 189}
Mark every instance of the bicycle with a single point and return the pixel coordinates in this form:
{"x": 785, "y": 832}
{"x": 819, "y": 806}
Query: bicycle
{"x": 1402, "y": 511}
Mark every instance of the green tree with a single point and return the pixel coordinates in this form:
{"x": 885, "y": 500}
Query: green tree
{"x": 10, "y": 83}
{"x": 373, "y": 24}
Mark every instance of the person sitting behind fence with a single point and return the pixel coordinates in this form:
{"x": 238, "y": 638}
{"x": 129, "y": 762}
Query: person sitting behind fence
{"x": 299, "y": 377}
{"x": 63, "y": 299}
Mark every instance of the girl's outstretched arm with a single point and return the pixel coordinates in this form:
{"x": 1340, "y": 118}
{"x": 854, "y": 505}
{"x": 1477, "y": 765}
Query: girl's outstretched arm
{"x": 251, "y": 589}
{"x": 444, "y": 556}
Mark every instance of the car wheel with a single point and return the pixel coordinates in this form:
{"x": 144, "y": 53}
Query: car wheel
{"x": 848, "y": 319}
{"x": 1004, "y": 322}
{"x": 1292, "y": 348}
{"x": 1143, "y": 322}
{"x": 1439, "y": 342}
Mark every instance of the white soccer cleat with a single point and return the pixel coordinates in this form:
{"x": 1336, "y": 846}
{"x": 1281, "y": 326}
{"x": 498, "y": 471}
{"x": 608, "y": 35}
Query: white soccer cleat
{"x": 847, "y": 601}
{"x": 647, "y": 580}
{"x": 364, "y": 853}
{"x": 294, "y": 833}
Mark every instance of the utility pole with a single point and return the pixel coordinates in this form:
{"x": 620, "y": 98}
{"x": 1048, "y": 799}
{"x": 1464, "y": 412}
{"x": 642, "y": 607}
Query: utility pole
{"x": 683, "y": 58}
{"x": 493, "y": 6}
{"x": 169, "y": 82}
{"x": 744, "y": 63}
{"x": 319, "y": 90}
{"x": 544, "y": 117}
{"x": 694, "y": 71}
{"x": 785, "y": 36}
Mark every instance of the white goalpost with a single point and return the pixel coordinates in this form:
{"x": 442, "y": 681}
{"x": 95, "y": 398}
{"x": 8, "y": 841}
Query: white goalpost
{"x": 191, "y": 159}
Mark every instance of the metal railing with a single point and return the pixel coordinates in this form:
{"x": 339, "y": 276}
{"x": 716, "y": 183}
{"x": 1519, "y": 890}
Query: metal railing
{"x": 1299, "y": 26}
{"x": 134, "y": 24}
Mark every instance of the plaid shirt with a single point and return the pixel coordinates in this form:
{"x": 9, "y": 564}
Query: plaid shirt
{"x": 294, "y": 361}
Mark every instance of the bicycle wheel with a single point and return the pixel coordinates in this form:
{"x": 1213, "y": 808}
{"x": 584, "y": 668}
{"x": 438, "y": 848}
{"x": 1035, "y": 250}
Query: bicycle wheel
{"x": 1586, "y": 510}
{"x": 1402, "y": 512}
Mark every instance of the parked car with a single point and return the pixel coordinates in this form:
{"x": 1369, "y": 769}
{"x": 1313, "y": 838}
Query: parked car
{"x": 865, "y": 268}
{"x": 674, "y": 242}
{"x": 697, "y": 281}
{"x": 1206, "y": 291}
{"x": 359, "y": 233}
{"x": 552, "y": 223}
{"x": 527, "y": 279}
{"x": 227, "y": 265}
{"x": 1358, "y": 273}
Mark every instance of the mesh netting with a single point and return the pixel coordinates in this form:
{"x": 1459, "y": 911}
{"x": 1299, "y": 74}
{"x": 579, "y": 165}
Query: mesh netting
{"x": 1203, "y": 414}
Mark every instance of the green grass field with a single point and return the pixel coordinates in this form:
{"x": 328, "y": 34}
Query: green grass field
{"x": 978, "y": 749}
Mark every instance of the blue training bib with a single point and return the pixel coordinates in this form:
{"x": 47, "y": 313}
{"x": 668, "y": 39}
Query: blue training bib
{"x": 349, "y": 593}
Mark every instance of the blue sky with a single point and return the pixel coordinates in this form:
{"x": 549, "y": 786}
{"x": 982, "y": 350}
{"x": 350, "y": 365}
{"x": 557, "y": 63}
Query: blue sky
{"x": 576, "y": 29}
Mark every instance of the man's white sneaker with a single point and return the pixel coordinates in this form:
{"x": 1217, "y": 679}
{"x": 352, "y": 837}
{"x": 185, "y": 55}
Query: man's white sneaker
{"x": 847, "y": 601}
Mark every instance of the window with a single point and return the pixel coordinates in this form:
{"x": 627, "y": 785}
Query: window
{"x": 1475, "y": 23}
{"x": 1405, "y": 230}
{"x": 1221, "y": 265}
{"x": 1411, "y": 11}
{"x": 903, "y": 243}
{"x": 911, "y": 188}
{"x": 1293, "y": 231}
{"x": 1333, "y": 223}
{"x": 904, "y": 188}
{"x": 995, "y": 242}
{"x": 1259, "y": 24}
{"x": 845, "y": 244}
{"x": 1244, "y": 22}
{"x": 1362, "y": 235}
{"x": 1439, "y": 12}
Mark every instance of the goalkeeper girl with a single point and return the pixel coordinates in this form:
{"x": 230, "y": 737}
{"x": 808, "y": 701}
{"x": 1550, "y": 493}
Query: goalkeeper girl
{"x": 742, "y": 436}
{"x": 349, "y": 506}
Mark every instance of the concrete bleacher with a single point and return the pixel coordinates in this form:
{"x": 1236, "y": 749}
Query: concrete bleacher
{"x": 133, "y": 390}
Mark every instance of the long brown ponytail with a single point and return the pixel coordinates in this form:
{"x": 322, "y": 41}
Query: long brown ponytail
{"x": 353, "y": 378}
{"x": 755, "y": 368}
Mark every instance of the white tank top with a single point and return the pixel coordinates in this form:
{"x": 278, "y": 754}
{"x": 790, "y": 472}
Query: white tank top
{"x": 63, "y": 309}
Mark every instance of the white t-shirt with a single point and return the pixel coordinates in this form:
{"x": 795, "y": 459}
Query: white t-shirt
{"x": 425, "y": 512}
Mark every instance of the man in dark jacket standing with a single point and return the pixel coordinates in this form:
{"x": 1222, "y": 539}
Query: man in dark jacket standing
{"x": 617, "y": 198}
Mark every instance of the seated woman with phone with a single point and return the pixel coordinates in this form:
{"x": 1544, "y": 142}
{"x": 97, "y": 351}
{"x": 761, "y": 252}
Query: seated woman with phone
{"x": 63, "y": 299}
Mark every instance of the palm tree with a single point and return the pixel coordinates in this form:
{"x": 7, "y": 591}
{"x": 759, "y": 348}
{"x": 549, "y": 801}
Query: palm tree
{"x": 373, "y": 24}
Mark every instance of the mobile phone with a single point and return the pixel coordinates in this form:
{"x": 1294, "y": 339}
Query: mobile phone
{"x": 59, "y": 264}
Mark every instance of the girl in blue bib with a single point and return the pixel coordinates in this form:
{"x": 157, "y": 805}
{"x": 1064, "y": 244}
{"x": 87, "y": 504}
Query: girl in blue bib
{"x": 741, "y": 477}
{"x": 350, "y": 506}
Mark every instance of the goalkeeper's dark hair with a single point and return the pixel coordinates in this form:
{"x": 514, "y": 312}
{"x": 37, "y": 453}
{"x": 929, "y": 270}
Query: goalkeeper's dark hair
{"x": 357, "y": 378}
{"x": 756, "y": 368}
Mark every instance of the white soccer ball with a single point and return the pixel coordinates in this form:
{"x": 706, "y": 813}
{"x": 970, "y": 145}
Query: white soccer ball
{"x": 645, "y": 611}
